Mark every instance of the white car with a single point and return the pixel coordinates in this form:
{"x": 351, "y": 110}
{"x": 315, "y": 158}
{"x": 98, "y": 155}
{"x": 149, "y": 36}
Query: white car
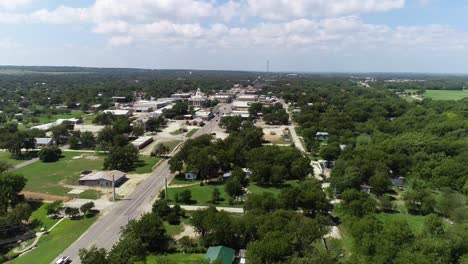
{"x": 63, "y": 260}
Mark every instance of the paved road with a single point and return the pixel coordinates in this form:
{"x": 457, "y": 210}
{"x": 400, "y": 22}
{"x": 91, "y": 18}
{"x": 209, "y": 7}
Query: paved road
{"x": 106, "y": 231}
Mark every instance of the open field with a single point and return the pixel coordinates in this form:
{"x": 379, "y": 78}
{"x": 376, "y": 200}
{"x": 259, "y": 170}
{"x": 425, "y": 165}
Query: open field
{"x": 178, "y": 258}
{"x": 256, "y": 189}
{"x": 201, "y": 195}
{"x": 54, "y": 243}
{"x": 43, "y": 119}
{"x": 416, "y": 222}
{"x": 6, "y": 156}
{"x": 50, "y": 178}
{"x": 446, "y": 94}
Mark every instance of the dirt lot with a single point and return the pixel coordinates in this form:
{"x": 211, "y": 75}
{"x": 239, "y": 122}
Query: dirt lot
{"x": 130, "y": 185}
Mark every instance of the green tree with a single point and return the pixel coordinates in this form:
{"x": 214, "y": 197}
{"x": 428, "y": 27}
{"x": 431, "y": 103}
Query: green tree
{"x": 11, "y": 186}
{"x": 161, "y": 208}
{"x": 93, "y": 255}
{"x": 186, "y": 196}
{"x": 50, "y": 154}
{"x": 380, "y": 184}
{"x": 215, "y": 196}
{"x": 160, "y": 150}
{"x": 121, "y": 158}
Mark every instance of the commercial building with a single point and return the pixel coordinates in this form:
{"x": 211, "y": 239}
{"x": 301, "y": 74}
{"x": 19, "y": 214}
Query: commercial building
{"x": 199, "y": 99}
{"x": 248, "y": 98}
{"x": 142, "y": 142}
{"x": 119, "y": 112}
{"x": 240, "y": 105}
{"x": 102, "y": 178}
{"x": 48, "y": 126}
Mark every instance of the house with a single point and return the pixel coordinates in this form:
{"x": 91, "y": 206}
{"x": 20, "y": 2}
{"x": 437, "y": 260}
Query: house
{"x": 398, "y": 182}
{"x": 366, "y": 188}
{"x": 102, "y": 178}
{"x": 221, "y": 253}
{"x": 119, "y": 99}
{"x": 321, "y": 135}
{"x": 43, "y": 142}
{"x": 190, "y": 176}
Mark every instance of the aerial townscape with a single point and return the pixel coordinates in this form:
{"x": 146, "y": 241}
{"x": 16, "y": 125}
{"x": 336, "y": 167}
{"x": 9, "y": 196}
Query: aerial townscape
{"x": 233, "y": 132}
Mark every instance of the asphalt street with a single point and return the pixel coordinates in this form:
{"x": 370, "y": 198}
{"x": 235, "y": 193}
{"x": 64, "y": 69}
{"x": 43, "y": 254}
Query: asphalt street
{"x": 105, "y": 232}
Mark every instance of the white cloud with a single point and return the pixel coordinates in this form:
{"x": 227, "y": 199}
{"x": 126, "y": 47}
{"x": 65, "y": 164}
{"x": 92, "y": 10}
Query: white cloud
{"x": 14, "y": 4}
{"x": 293, "y": 9}
{"x": 120, "y": 40}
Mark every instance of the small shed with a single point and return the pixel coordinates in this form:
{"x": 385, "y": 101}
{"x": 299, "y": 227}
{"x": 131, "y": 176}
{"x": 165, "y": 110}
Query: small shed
{"x": 398, "y": 182}
{"x": 225, "y": 254}
{"x": 321, "y": 135}
{"x": 190, "y": 176}
{"x": 366, "y": 188}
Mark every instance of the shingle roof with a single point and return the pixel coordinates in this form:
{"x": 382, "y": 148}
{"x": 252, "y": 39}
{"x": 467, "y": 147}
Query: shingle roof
{"x": 225, "y": 254}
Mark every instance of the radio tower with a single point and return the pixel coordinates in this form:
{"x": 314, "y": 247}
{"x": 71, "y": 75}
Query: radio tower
{"x": 268, "y": 70}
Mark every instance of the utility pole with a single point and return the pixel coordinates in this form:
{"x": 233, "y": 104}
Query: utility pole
{"x": 113, "y": 188}
{"x": 165, "y": 188}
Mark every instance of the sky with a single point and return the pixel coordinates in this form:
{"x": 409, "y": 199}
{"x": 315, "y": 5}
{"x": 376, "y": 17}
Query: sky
{"x": 295, "y": 35}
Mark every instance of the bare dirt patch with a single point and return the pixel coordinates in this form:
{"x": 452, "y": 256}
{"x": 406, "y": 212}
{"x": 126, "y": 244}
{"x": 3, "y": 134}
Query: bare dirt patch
{"x": 33, "y": 196}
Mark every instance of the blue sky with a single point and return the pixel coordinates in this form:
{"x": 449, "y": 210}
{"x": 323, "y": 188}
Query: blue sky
{"x": 296, "y": 35}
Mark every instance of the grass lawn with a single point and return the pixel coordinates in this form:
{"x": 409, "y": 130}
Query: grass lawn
{"x": 6, "y": 156}
{"x": 145, "y": 165}
{"x": 172, "y": 144}
{"x": 90, "y": 194}
{"x": 416, "y": 222}
{"x": 253, "y": 188}
{"x": 178, "y": 258}
{"x": 51, "y": 245}
{"x": 43, "y": 119}
{"x": 39, "y": 217}
{"x": 446, "y": 94}
{"x": 49, "y": 177}
{"x": 191, "y": 132}
{"x": 173, "y": 230}
{"x": 201, "y": 195}
{"x": 88, "y": 119}
{"x": 176, "y": 132}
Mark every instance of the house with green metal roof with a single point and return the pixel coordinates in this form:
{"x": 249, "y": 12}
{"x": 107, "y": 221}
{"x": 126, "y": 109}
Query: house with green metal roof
{"x": 225, "y": 254}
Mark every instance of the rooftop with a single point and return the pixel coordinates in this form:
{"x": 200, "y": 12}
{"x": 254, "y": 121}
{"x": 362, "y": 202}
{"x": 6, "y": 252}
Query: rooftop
{"x": 103, "y": 175}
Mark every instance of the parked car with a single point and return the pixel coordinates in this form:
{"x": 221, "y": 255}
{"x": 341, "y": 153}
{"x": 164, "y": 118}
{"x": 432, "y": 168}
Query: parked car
{"x": 63, "y": 260}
